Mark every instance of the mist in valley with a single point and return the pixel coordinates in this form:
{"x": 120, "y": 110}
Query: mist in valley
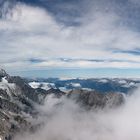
{"x": 63, "y": 119}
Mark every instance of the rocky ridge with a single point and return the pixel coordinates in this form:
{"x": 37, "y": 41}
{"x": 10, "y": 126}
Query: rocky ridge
{"x": 18, "y": 101}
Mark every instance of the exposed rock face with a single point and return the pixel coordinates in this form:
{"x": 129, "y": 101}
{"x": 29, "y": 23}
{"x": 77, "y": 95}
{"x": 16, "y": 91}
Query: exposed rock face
{"x": 18, "y": 101}
{"x": 3, "y": 73}
{"x": 56, "y": 92}
{"x": 96, "y": 99}
{"x": 26, "y": 90}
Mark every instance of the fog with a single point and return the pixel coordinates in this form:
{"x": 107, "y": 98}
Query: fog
{"x": 63, "y": 119}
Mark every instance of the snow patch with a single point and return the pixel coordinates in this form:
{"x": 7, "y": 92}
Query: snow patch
{"x": 42, "y": 85}
{"x": 103, "y": 81}
{"x": 122, "y": 82}
{"x": 76, "y": 85}
{"x": 4, "y": 85}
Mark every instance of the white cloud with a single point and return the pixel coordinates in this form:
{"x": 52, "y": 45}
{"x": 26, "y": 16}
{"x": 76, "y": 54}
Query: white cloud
{"x": 31, "y": 32}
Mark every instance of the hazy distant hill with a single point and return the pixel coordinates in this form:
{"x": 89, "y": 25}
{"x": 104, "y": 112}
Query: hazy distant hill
{"x": 101, "y": 84}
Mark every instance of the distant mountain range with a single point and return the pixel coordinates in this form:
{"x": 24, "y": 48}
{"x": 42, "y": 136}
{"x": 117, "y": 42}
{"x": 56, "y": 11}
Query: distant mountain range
{"x": 20, "y": 99}
{"x": 102, "y": 84}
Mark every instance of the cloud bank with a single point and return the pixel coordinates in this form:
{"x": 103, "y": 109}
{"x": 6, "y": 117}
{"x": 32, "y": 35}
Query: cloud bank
{"x": 65, "y": 120}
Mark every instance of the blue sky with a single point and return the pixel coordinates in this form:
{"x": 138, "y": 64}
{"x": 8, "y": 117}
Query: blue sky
{"x": 80, "y": 73}
{"x": 70, "y": 38}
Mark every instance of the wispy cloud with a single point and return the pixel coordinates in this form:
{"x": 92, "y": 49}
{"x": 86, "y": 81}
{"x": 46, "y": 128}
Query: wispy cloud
{"x": 133, "y": 52}
{"x": 32, "y": 37}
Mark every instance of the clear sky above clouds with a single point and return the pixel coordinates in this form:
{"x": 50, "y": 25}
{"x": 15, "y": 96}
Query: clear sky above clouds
{"x": 77, "y": 37}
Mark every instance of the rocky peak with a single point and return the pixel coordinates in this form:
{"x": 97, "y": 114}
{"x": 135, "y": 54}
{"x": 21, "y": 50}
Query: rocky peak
{"x": 96, "y": 99}
{"x": 3, "y": 73}
{"x": 56, "y": 92}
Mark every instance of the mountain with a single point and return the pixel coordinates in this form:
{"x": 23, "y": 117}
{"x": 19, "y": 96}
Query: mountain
{"x": 19, "y": 103}
{"x": 94, "y": 99}
{"x": 103, "y": 85}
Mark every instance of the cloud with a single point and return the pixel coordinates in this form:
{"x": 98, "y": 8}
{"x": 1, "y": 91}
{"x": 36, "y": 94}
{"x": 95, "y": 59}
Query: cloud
{"x": 64, "y": 119}
{"x": 133, "y": 52}
{"x": 30, "y": 32}
{"x": 136, "y": 2}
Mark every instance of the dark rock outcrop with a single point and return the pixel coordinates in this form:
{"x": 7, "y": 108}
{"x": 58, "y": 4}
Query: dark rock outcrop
{"x": 96, "y": 99}
{"x": 56, "y": 92}
{"x": 3, "y": 73}
{"x": 26, "y": 90}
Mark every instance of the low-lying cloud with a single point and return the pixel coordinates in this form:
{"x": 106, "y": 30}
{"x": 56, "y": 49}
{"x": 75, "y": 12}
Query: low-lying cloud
{"x": 65, "y": 120}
